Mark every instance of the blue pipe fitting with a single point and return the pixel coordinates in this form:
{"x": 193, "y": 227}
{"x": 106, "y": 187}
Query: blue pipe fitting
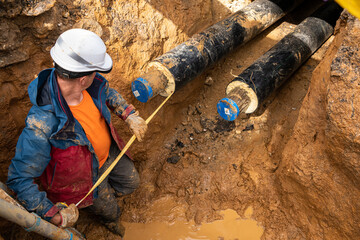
{"x": 141, "y": 89}
{"x": 228, "y": 109}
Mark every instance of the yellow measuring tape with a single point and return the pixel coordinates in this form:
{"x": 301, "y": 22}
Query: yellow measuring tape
{"x": 132, "y": 139}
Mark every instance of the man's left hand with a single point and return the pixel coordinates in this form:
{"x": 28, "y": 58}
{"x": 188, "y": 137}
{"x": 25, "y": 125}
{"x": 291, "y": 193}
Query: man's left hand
{"x": 137, "y": 125}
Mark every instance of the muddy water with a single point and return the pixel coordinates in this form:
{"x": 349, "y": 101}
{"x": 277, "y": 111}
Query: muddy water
{"x": 231, "y": 227}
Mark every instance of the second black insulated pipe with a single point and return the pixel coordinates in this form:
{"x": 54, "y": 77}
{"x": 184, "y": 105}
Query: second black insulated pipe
{"x": 247, "y": 91}
{"x": 186, "y": 61}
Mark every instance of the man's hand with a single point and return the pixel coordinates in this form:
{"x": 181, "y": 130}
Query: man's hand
{"x": 137, "y": 125}
{"x": 69, "y": 216}
{"x": 66, "y": 217}
{"x": 56, "y": 219}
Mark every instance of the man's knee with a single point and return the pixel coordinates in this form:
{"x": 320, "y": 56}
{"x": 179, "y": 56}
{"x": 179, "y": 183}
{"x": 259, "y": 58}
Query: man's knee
{"x": 124, "y": 178}
{"x": 129, "y": 186}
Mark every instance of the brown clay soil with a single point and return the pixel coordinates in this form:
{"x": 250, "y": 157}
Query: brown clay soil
{"x": 193, "y": 164}
{"x": 205, "y": 164}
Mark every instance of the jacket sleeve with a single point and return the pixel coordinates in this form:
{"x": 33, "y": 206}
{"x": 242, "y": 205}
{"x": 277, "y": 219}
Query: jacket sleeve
{"x": 31, "y": 158}
{"x": 117, "y": 103}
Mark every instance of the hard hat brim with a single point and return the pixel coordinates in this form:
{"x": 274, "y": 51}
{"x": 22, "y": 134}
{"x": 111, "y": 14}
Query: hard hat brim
{"x": 106, "y": 67}
{"x": 108, "y": 64}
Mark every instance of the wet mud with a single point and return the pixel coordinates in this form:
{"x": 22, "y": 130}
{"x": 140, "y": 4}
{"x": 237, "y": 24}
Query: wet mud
{"x": 230, "y": 227}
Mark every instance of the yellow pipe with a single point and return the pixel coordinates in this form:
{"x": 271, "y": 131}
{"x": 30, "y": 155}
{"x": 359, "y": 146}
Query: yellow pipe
{"x": 353, "y": 6}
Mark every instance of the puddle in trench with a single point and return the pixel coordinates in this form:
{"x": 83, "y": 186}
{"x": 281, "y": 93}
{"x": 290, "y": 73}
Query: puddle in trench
{"x": 230, "y": 228}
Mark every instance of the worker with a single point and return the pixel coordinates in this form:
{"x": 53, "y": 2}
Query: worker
{"x": 69, "y": 139}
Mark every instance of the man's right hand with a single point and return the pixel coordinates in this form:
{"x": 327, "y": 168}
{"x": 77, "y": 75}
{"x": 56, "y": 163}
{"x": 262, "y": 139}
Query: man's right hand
{"x": 66, "y": 217}
{"x": 56, "y": 219}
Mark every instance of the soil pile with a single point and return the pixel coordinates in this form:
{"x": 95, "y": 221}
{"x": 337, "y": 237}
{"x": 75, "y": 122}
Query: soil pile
{"x": 294, "y": 161}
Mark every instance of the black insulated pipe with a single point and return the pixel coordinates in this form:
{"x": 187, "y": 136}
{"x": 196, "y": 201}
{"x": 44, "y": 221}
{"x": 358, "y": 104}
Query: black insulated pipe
{"x": 247, "y": 91}
{"x": 175, "y": 68}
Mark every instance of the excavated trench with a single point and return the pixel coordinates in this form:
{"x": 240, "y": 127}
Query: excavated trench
{"x": 288, "y": 171}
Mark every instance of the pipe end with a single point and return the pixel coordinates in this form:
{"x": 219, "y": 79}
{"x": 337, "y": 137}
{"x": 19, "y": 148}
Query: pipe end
{"x": 228, "y": 109}
{"x": 141, "y": 89}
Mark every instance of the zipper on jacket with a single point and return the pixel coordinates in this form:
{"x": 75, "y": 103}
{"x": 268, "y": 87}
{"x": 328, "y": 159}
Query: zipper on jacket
{"x": 53, "y": 176}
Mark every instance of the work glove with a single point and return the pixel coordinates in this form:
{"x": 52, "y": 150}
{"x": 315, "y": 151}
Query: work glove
{"x": 137, "y": 125}
{"x": 69, "y": 216}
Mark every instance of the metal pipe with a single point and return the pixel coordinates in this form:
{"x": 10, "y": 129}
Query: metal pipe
{"x": 34, "y": 223}
{"x": 249, "y": 89}
{"x": 175, "y": 68}
{"x": 6, "y": 196}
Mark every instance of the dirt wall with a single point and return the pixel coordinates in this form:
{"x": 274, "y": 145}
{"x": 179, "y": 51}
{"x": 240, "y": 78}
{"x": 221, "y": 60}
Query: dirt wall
{"x": 318, "y": 179}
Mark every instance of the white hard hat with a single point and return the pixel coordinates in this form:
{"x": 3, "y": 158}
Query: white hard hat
{"x": 80, "y": 50}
